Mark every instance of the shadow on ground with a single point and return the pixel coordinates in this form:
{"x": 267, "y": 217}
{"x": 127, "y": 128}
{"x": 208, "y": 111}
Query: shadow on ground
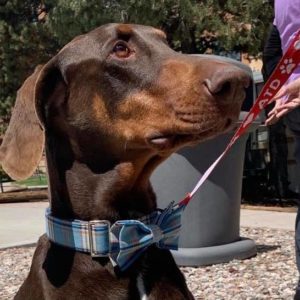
{"x": 266, "y": 248}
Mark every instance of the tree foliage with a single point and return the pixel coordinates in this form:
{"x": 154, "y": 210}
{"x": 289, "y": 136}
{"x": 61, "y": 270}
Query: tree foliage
{"x": 31, "y": 31}
{"x": 24, "y": 42}
{"x": 191, "y": 25}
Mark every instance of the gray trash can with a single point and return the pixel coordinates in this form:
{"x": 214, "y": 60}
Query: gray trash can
{"x": 211, "y": 222}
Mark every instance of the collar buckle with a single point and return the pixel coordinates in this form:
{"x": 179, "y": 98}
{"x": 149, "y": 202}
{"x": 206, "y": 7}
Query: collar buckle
{"x": 91, "y": 224}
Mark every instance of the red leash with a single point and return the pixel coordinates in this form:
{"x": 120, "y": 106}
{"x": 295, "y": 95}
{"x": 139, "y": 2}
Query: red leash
{"x": 284, "y": 69}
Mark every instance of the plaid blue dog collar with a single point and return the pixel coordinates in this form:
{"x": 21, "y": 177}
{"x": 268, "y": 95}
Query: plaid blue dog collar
{"x": 124, "y": 241}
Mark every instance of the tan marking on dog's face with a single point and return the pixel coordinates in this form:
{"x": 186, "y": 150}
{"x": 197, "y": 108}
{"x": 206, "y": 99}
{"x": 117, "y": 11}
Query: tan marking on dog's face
{"x": 124, "y": 29}
{"x": 160, "y": 33}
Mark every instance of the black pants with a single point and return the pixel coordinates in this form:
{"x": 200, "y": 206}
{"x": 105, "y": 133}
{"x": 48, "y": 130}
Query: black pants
{"x": 297, "y": 227}
{"x": 278, "y": 159}
{"x": 277, "y": 136}
{"x": 297, "y": 246}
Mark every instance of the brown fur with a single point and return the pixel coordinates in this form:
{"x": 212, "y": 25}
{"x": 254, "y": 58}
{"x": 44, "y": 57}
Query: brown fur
{"x": 109, "y": 118}
{"x": 18, "y": 157}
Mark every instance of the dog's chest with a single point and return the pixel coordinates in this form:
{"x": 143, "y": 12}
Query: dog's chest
{"x": 141, "y": 287}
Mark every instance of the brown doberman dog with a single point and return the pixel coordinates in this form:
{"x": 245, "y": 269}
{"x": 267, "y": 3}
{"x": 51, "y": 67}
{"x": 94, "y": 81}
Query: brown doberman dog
{"x": 109, "y": 107}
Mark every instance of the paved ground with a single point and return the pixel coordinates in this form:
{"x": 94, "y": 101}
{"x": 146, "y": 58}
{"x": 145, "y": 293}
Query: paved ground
{"x": 23, "y": 223}
{"x": 268, "y": 219}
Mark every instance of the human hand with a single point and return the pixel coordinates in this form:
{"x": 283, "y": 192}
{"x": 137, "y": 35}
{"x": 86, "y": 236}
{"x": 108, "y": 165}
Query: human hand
{"x": 292, "y": 91}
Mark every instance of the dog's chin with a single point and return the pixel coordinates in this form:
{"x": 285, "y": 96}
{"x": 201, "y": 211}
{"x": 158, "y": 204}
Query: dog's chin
{"x": 170, "y": 142}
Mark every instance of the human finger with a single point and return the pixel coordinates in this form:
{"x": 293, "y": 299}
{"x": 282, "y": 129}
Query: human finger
{"x": 282, "y": 113}
{"x": 290, "y": 105}
{"x": 281, "y": 93}
{"x": 275, "y": 108}
{"x": 272, "y": 119}
{"x": 293, "y": 87}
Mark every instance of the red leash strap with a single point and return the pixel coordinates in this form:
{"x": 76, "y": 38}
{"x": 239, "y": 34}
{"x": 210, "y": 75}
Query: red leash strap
{"x": 284, "y": 69}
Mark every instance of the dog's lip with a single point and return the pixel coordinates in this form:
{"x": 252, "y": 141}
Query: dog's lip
{"x": 161, "y": 139}
{"x": 170, "y": 139}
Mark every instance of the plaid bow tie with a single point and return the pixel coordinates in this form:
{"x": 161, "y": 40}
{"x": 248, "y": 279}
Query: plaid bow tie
{"x": 124, "y": 241}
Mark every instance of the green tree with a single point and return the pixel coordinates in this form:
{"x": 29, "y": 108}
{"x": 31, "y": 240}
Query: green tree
{"x": 68, "y": 18}
{"x": 238, "y": 24}
{"x": 192, "y": 26}
{"x": 24, "y": 42}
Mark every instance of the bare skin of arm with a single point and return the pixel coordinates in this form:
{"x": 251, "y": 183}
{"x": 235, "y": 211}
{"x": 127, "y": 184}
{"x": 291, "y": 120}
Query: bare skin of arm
{"x": 292, "y": 92}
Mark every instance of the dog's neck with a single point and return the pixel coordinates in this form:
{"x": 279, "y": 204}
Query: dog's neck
{"x": 117, "y": 190}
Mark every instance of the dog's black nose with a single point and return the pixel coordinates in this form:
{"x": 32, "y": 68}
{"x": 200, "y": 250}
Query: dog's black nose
{"x": 228, "y": 84}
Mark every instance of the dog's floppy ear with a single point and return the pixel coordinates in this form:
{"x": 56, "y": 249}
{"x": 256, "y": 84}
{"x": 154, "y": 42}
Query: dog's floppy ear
{"x": 22, "y": 146}
{"x": 23, "y": 143}
{"x": 50, "y": 92}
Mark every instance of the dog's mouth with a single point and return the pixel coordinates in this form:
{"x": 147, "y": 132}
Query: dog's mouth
{"x": 169, "y": 141}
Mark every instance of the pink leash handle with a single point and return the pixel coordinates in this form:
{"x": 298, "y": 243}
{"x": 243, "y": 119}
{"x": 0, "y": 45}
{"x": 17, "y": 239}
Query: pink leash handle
{"x": 282, "y": 72}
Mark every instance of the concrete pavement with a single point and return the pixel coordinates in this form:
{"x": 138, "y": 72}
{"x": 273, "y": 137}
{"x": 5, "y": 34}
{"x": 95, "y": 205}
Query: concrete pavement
{"x": 23, "y": 223}
{"x": 268, "y": 219}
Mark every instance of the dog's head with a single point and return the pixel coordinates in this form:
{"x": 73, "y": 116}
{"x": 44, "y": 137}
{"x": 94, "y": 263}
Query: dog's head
{"x": 119, "y": 93}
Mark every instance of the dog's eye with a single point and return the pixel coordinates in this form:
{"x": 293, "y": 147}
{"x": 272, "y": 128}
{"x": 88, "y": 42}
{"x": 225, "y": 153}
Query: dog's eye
{"x": 121, "y": 50}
